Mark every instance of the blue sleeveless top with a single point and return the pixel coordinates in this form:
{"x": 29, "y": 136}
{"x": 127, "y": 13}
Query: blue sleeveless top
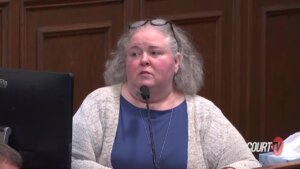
{"x": 132, "y": 149}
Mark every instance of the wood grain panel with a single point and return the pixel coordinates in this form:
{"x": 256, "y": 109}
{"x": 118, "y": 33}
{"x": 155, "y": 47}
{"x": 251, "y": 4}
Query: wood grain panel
{"x": 211, "y": 26}
{"x": 71, "y": 36}
{"x": 282, "y": 67}
{"x": 249, "y": 48}
{"x": 48, "y": 14}
{"x": 205, "y": 31}
{"x": 3, "y": 33}
{"x": 68, "y": 48}
{"x": 273, "y": 93}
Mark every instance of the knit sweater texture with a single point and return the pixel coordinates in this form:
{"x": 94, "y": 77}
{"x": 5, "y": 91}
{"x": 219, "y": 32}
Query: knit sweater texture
{"x": 213, "y": 142}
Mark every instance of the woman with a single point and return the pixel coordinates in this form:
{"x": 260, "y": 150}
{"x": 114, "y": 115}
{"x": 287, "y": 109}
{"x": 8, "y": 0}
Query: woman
{"x": 111, "y": 129}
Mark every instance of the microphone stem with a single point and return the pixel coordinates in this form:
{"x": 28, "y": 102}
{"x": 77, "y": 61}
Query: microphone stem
{"x": 154, "y": 159}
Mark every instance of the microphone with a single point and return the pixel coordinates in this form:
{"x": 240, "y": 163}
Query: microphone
{"x": 145, "y": 93}
{"x": 146, "y": 96}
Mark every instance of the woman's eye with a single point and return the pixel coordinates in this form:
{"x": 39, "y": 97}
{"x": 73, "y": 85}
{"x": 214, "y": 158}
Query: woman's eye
{"x": 134, "y": 53}
{"x": 156, "y": 53}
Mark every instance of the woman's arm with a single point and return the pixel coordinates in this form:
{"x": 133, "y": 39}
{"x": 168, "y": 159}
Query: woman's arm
{"x": 87, "y": 138}
{"x": 224, "y": 145}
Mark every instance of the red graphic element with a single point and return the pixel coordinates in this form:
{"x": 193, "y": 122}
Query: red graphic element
{"x": 278, "y": 145}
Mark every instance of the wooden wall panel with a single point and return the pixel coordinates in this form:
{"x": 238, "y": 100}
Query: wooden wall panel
{"x": 282, "y": 66}
{"x": 10, "y": 35}
{"x": 250, "y": 49}
{"x": 3, "y": 33}
{"x": 274, "y": 66}
{"x": 75, "y": 48}
{"x": 71, "y": 37}
{"x": 211, "y": 26}
{"x": 207, "y": 34}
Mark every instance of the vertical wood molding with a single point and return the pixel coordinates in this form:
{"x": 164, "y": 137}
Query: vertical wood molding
{"x": 268, "y": 12}
{"x": 132, "y": 11}
{"x": 236, "y": 66}
{"x": 4, "y": 33}
{"x": 207, "y": 17}
{"x": 258, "y": 110}
{"x": 23, "y": 36}
{"x": 247, "y": 57}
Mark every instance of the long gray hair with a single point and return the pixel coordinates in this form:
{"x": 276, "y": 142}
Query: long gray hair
{"x": 188, "y": 79}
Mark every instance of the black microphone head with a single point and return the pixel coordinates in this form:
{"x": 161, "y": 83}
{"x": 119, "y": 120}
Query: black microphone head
{"x": 145, "y": 92}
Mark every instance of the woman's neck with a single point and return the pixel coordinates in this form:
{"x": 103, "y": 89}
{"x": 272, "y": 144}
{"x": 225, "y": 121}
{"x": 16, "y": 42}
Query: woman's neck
{"x": 160, "y": 99}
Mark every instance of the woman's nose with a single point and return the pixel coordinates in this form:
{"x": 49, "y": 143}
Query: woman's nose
{"x": 145, "y": 59}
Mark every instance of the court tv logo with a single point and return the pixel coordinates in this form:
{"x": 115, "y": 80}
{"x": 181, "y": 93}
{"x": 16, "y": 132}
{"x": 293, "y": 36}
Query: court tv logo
{"x": 3, "y": 83}
{"x": 263, "y": 147}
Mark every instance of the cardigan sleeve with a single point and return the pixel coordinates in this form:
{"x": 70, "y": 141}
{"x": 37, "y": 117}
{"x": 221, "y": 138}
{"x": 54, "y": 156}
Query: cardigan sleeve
{"x": 94, "y": 129}
{"x": 87, "y": 137}
{"x": 235, "y": 152}
{"x": 223, "y": 144}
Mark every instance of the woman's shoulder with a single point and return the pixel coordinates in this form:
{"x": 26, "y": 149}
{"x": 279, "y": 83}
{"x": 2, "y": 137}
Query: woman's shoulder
{"x": 101, "y": 98}
{"x": 100, "y": 102}
{"x": 104, "y": 93}
{"x": 204, "y": 110}
{"x": 201, "y": 103}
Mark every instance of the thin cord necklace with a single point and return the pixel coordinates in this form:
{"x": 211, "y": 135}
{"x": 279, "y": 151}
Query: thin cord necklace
{"x": 166, "y": 135}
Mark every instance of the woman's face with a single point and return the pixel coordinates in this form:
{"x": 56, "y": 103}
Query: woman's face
{"x": 149, "y": 59}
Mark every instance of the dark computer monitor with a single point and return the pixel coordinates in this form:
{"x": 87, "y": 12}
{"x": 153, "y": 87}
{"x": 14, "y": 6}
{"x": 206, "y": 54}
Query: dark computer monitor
{"x": 37, "y": 106}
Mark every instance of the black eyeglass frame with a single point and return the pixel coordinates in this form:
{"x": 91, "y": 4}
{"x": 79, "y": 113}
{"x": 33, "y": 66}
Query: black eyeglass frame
{"x": 152, "y": 22}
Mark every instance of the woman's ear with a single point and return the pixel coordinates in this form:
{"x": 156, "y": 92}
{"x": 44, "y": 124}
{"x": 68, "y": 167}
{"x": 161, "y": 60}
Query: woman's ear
{"x": 178, "y": 59}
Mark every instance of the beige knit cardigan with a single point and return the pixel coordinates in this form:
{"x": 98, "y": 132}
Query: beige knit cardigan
{"x": 213, "y": 142}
